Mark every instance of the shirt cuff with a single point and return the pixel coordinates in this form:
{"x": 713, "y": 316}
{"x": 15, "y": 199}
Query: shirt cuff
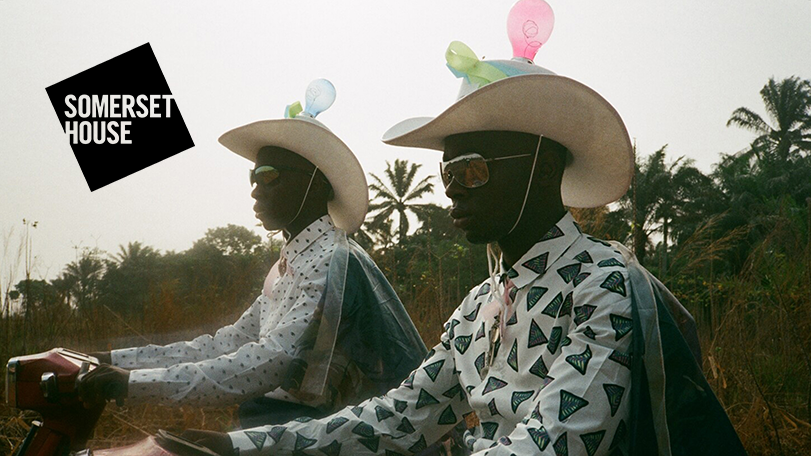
{"x": 245, "y": 446}
{"x": 146, "y": 384}
{"x": 125, "y": 358}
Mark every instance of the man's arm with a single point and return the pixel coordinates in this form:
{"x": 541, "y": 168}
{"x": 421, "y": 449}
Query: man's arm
{"x": 407, "y": 419}
{"x": 114, "y": 373}
{"x": 225, "y": 340}
{"x": 250, "y": 370}
{"x": 584, "y": 408}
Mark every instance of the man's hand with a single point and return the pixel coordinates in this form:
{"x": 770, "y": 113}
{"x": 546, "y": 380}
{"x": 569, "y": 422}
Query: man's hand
{"x": 217, "y": 442}
{"x": 104, "y": 357}
{"x": 103, "y": 383}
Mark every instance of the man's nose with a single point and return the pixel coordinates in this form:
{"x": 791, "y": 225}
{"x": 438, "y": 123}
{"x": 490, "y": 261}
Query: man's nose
{"x": 455, "y": 190}
{"x": 257, "y": 190}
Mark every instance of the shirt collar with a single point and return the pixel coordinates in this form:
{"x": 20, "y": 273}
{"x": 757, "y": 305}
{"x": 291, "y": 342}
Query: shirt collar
{"x": 307, "y": 237}
{"x": 545, "y": 252}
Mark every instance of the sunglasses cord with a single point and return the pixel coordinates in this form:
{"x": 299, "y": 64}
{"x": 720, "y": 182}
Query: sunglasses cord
{"x": 492, "y": 260}
{"x": 494, "y": 294}
{"x": 529, "y": 184}
{"x": 301, "y": 206}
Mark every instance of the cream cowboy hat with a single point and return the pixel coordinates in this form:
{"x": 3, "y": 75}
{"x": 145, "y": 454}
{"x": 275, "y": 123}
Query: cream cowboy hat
{"x": 301, "y": 133}
{"x": 531, "y": 99}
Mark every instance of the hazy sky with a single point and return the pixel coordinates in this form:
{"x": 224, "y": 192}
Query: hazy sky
{"x": 674, "y": 71}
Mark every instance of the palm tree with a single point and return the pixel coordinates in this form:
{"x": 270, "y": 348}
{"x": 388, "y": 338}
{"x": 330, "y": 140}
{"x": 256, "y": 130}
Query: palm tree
{"x": 399, "y": 196}
{"x": 84, "y": 276}
{"x": 129, "y": 278}
{"x": 661, "y": 194}
{"x": 372, "y": 234}
{"x": 135, "y": 253}
{"x": 788, "y": 105}
{"x": 648, "y": 189}
{"x": 777, "y": 164}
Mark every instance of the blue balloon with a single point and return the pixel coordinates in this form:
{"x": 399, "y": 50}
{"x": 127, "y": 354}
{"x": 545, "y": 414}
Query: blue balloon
{"x": 319, "y": 97}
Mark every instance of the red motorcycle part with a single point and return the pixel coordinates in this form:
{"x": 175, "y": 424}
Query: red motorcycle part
{"x": 46, "y": 383}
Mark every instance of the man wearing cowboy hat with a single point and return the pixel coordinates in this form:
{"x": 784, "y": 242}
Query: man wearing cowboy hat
{"x": 539, "y": 351}
{"x": 561, "y": 350}
{"x": 327, "y": 330}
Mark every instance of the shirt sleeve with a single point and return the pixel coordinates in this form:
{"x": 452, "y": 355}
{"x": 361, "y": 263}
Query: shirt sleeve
{"x": 581, "y": 410}
{"x": 225, "y": 340}
{"x": 251, "y": 366}
{"x": 428, "y": 403}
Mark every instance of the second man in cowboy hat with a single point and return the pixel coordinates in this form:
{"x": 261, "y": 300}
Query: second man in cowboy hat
{"x": 327, "y": 330}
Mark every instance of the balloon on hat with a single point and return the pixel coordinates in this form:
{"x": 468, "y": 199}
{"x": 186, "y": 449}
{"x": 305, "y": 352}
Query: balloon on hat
{"x": 529, "y": 25}
{"x": 518, "y": 95}
{"x": 301, "y": 133}
{"x": 318, "y": 97}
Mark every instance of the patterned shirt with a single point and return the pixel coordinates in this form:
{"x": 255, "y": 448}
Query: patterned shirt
{"x": 250, "y": 357}
{"x": 554, "y": 383}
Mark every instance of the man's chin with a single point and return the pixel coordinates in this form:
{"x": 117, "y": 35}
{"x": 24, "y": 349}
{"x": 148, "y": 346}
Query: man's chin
{"x": 481, "y": 234}
{"x": 270, "y": 225}
{"x": 475, "y": 237}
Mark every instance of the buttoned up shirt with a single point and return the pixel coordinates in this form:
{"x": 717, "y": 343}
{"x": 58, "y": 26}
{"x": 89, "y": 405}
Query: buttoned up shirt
{"x": 250, "y": 357}
{"x": 553, "y": 381}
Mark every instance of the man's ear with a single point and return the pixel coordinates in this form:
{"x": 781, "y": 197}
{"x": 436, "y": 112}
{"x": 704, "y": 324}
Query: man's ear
{"x": 325, "y": 182}
{"x": 549, "y": 168}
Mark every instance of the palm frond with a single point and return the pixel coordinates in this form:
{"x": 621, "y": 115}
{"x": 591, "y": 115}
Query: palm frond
{"x": 422, "y": 188}
{"x": 382, "y": 216}
{"x": 749, "y": 120}
{"x": 381, "y": 189}
{"x": 408, "y": 178}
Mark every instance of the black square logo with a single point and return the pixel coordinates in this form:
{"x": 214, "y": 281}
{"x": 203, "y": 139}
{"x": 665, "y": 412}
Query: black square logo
{"x": 120, "y": 117}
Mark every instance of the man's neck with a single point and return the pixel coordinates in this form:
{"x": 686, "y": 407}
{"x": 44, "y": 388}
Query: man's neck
{"x": 302, "y": 221}
{"x": 528, "y": 232}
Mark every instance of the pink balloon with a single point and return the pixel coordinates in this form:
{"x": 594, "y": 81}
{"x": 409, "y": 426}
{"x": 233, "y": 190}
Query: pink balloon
{"x": 529, "y": 25}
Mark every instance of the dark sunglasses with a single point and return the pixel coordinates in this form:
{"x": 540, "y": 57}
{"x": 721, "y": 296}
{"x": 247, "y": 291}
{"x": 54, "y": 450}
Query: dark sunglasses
{"x": 266, "y": 174}
{"x": 469, "y": 170}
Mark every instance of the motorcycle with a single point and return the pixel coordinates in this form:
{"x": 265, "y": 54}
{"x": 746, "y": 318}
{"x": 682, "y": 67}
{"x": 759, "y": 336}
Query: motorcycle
{"x": 47, "y": 383}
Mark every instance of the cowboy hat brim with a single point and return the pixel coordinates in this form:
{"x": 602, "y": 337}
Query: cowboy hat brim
{"x": 601, "y": 163}
{"x": 323, "y": 149}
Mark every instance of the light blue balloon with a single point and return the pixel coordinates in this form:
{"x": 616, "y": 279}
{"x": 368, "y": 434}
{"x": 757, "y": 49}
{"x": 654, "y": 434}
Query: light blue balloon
{"x": 319, "y": 97}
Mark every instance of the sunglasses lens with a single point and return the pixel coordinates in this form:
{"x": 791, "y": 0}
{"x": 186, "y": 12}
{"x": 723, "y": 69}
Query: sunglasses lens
{"x": 445, "y": 175}
{"x": 470, "y": 173}
{"x": 476, "y": 173}
{"x": 264, "y": 175}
